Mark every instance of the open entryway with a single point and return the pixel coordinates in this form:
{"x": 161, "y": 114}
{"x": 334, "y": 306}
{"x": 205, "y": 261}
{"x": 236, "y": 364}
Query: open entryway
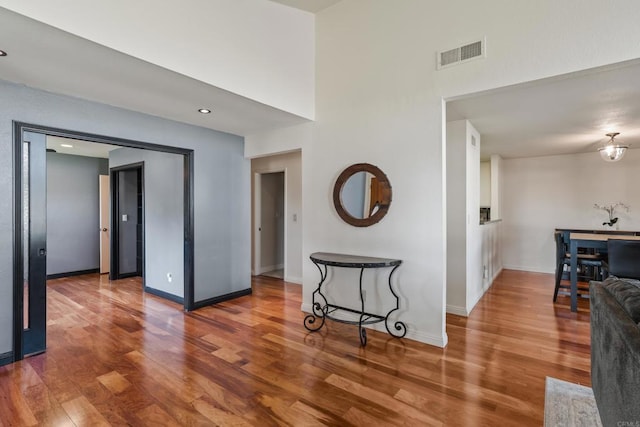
{"x": 105, "y": 224}
{"x": 127, "y": 221}
{"x": 57, "y": 205}
{"x": 277, "y": 216}
{"x": 270, "y": 215}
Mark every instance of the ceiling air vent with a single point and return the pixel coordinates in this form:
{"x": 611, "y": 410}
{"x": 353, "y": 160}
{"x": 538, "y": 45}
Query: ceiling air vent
{"x": 460, "y": 54}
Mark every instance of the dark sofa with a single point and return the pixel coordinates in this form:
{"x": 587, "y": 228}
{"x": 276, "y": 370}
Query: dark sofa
{"x": 615, "y": 338}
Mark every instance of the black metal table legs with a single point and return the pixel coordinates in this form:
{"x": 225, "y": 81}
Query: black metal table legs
{"x": 323, "y": 310}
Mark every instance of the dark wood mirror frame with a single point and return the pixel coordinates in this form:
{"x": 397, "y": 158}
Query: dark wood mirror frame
{"x": 384, "y": 188}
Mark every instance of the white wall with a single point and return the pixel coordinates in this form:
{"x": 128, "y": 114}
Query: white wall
{"x": 456, "y": 217}
{"x": 292, "y": 164}
{"x": 255, "y": 48}
{"x": 474, "y": 233}
{"x": 379, "y": 100}
{"x": 491, "y": 254}
{"x": 544, "y": 193}
{"x": 485, "y": 184}
{"x": 278, "y": 141}
{"x": 465, "y": 239}
{"x": 497, "y": 187}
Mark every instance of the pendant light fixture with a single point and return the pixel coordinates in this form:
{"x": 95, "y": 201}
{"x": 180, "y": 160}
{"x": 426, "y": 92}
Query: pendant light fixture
{"x": 612, "y": 151}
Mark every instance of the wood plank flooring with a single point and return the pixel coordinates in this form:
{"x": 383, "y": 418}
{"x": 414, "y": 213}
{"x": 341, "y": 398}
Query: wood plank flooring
{"x": 117, "y": 356}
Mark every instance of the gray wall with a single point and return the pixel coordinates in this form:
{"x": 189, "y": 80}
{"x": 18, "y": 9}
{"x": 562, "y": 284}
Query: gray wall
{"x": 222, "y": 185}
{"x": 73, "y": 239}
{"x": 164, "y": 224}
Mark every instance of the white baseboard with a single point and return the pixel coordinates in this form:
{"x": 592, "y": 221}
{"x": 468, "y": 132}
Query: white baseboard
{"x": 484, "y": 291}
{"x": 267, "y": 268}
{"x": 475, "y": 302}
{"x": 423, "y": 337}
{"x": 495, "y": 276}
{"x": 435, "y": 340}
{"x": 293, "y": 279}
{"x": 306, "y": 308}
{"x": 457, "y": 310}
{"x": 526, "y": 268}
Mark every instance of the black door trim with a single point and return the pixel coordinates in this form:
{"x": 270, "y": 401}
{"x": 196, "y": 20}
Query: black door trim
{"x": 114, "y": 268}
{"x": 189, "y": 159}
{"x": 18, "y": 257}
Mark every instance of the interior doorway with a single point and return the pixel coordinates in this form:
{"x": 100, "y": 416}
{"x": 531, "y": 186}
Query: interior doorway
{"x": 270, "y": 224}
{"x": 105, "y": 223}
{"x": 31, "y": 187}
{"x": 127, "y": 221}
{"x": 30, "y": 237}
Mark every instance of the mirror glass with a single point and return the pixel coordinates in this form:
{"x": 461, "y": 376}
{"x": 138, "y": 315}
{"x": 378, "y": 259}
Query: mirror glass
{"x": 362, "y": 195}
{"x": 356, "y": 195}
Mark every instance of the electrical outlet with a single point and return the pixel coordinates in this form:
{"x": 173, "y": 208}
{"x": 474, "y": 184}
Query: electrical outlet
{"x": 485, "y": 272}
{"x": 169, "y": 277}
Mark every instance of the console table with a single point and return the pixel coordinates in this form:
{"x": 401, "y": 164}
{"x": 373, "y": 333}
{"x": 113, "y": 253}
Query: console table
{"x": 323, "y": 310}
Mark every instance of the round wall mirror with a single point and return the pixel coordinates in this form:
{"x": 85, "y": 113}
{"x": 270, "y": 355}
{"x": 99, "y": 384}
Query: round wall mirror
{"x": 362, "y": 195}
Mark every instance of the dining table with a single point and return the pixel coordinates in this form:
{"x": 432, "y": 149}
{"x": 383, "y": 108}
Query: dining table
{"x": 588, "y": 240}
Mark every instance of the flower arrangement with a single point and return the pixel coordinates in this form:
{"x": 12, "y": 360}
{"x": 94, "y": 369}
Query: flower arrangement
{"x": 611, "y": 210}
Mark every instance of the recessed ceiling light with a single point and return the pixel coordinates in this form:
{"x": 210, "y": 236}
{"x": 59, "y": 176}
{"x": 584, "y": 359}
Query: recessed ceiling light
{"x": 204, "y": 110}
{"x": 3, "y": 53}
{"x": 66, "y": 145}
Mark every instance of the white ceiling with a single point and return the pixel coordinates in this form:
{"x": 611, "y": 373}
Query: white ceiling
{"x": 567, "y": 114}
{"x": 308, "y": 5}
{"x": 79, "y": 147}
{"x": 44, "y": 57}
{"x": 561, "y": 115}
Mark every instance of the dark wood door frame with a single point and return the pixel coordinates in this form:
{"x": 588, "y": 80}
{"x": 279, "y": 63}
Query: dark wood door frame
{"x": 114, "y": 273}
{"x": 18, "y": 245}
{"x": 34, "y": 331}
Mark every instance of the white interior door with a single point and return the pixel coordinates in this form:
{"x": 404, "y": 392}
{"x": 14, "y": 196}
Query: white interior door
{"x": 105, "y": 232}
{"x": 257, "y": 208}
{"x": 272, "y": 222}
{"x": 269, "y": 222}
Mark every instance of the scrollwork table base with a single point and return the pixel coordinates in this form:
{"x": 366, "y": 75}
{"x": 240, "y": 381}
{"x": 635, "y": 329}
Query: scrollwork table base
{"x": 323, "y": 310}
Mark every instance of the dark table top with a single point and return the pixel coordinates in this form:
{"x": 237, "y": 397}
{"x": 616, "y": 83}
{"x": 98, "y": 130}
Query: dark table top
{"x": 353, "y": 261}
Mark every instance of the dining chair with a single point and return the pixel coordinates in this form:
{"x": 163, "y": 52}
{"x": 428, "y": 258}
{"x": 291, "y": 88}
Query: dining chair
{"x": 563, "y": 257}
{"x": 624, "y": 258}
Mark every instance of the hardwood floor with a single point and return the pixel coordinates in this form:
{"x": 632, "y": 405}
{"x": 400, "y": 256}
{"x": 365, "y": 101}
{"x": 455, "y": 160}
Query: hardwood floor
{"x": 118, "y": 356}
